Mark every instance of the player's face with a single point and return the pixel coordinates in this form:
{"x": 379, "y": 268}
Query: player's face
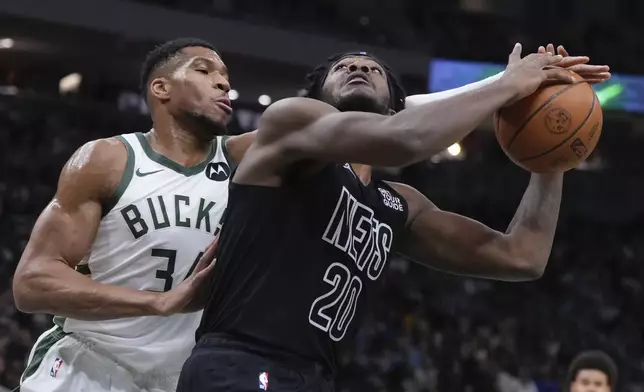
{"x": 199, "y": 88}
{"x": 357, "y": 84}
{"x": 590, "y": 381}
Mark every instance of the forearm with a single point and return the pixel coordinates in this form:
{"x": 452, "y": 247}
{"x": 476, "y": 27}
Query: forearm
{"x": 420, "y": 99}
{"x": 57, "y": 289}
{"x": 434, "y": 126}
{"x": 533, "y": 227}
{"x": 198, "y": 302}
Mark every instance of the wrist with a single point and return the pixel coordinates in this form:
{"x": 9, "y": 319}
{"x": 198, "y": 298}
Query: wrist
{"x": 505, "y": 90}
{"x": 154, "y": 303}
{"x": 547, "y": 177}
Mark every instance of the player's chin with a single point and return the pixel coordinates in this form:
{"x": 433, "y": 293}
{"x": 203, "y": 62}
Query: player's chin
{"x": 211, "y": 124}
{"x": 219, "y": 123}
{"x": 218, "y": 117}
{"x": 359, "y": 100}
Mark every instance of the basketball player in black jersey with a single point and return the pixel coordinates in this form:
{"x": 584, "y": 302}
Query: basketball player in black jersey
{"x": 307, "y": 235}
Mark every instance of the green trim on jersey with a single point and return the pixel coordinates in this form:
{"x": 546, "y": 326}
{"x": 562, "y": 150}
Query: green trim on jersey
{"x": 170, "y": 164}
{"x": 231, "y": 162}
{"x": 41, "y": 349}
{"x": 60, "y": 322}
{"x": 125, "y": 179}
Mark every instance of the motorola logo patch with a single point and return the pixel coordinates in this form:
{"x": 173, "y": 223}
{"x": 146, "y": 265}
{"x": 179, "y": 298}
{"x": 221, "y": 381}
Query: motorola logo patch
{"x": 218, "y": 171}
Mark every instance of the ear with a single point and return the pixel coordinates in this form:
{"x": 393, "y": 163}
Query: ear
{"x": 160, "y": 88}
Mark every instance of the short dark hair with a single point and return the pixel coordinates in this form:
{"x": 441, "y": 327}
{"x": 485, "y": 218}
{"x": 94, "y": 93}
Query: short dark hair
{"x": 594, "y": 360}
{"x": 163, "y": 53}
{"x": 315, "y": 80}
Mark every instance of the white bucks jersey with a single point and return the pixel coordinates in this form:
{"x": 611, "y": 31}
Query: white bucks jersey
{"x": 161, "y": 219}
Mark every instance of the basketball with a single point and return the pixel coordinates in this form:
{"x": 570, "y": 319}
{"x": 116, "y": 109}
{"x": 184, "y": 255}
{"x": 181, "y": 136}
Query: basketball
{"x": 552, "y": 130}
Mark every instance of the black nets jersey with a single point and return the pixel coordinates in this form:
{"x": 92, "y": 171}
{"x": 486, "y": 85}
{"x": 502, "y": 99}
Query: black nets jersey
{"x": 297, "y": 264}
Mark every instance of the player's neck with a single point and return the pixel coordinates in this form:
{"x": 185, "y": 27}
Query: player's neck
{"x": 363, "y": 172}
{"x": 179, "y": 145}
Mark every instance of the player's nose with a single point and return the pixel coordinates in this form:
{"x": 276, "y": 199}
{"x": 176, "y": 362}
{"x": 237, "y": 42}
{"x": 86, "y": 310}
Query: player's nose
{"x": 359, "y": 66}
{"x": 222, "y": 83}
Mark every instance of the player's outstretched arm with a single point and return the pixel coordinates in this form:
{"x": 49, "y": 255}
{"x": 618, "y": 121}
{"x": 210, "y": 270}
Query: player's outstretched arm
{"x": 592, "y": 73}
{"x": 45, "y": 280}
{"x": 421, "y": 99}
{"x": 460, "y": 245}
{"x": 301, "y": 129}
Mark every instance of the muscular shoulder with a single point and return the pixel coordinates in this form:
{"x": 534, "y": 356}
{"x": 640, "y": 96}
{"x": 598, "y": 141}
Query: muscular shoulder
{"x": 416, "y": 201}
{"x": 93, "y": 171}
{"x": 291, "y": 114}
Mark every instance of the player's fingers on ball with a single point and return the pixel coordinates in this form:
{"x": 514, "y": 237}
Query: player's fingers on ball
{"x": 601, "y": 77}
{"x": 549, "y": 59}
{"x": 574, "y": 61}
{"x": 588, "y": 69}
{"x": 558, "y": 74}
{"x": 515, "y": 55}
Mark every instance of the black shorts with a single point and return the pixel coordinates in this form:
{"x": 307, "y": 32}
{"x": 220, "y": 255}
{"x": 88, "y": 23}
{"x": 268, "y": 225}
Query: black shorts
{"x": 220, "y": 363}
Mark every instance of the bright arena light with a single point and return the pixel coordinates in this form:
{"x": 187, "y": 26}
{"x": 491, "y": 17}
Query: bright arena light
{"x": 233, "y": 95}
{"x": 70, "y": 83}
{"x": 264, "y": 100}
{"x": 454, "y": 150}
{"x": 6, "y": 43}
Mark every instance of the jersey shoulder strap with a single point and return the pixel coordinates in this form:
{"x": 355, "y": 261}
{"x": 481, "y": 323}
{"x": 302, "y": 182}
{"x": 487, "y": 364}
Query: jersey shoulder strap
{"x": 229, "y": 159}
{"x": 126, "y": 177}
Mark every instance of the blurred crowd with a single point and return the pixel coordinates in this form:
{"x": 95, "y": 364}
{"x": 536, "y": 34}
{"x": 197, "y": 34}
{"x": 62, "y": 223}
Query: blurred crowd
{"x": 427, "y": 331}
{"x": 448, "y": 28}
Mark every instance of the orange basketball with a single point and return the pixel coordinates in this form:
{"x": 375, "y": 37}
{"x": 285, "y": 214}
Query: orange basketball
{"x": 552, "y": 130}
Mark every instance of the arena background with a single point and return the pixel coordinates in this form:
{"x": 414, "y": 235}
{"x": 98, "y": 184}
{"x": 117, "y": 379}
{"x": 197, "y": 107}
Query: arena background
{"x": 69, "y": 73}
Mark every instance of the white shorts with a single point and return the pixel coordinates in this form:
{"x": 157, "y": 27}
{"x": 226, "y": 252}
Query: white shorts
{"x": 62, "y": 363}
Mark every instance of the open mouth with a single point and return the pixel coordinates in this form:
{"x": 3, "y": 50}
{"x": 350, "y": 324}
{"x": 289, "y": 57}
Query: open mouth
{"x": 358, "y": 79}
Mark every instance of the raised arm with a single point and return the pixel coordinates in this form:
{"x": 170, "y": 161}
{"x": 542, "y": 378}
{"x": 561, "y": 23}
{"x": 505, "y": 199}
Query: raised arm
{"x": 300, "y": 129}
{"x": 592, "y": 73}
{"x": 45, "y": 280}
{"x": 460, "y": 245}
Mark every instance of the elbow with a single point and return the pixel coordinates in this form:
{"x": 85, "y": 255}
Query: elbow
{"x": 23, "y": 294}
{"x": 526, "y": 267}
{"x": 526, "y": 260}
{"x": 530, "y": 269}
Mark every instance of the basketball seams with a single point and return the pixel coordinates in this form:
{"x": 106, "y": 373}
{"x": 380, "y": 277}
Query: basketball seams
{"x": 539, "y": 109}
{"x": 566, "y": 139}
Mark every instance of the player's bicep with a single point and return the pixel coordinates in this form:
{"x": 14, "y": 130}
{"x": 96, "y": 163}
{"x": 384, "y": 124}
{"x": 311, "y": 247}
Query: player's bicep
{"x": 66, "y": 228}
{"x": 306, "y": 129}
{"x": 63, "y": 232}
{"x": 454, "y": 243}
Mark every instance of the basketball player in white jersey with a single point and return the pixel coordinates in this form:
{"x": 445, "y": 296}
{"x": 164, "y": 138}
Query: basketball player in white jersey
{"x": 115, "y": 253}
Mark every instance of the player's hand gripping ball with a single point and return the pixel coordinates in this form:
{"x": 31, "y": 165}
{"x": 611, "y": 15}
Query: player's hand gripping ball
{"x": 552, "y": 130}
